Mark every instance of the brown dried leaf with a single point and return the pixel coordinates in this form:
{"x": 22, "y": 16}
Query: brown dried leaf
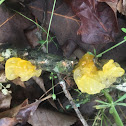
{"x": 40, "y": 82}
{"x": 32, "y": 37}
{"x": 64, "y": 24}
{"x": 107, "y": 1}
{"x": 98, "y": 21}
{"x": 8, "y": 117}
{"x": 70, "y": 82}
{"x": 63, "y": 19}
{"x": 5, "y": 101}
{"x": 26, "y": 111}
{"x": 21, "y": 113}
{"x": 8, "y": 121}
{"x": 112, "y": 4}
{"x": 13, "y": 112}
{"x": 121, "y": 7}
{"x": 12, "y": 27}
{"x": 46, "y": 117}
{"x": 18, "y": 81}
{"x": 69, "y": 47}
{"x": 3, "y": 78}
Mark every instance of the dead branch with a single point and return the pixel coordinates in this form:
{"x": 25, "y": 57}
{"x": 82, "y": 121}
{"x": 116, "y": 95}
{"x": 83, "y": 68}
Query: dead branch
{"x": 44, "y": 61}
{"x": 68, "y": 95}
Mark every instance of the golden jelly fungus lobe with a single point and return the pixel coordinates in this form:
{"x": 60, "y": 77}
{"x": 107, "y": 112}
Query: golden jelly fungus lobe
{"x": 17, "y": 67}
{"x": 91, "y": 80}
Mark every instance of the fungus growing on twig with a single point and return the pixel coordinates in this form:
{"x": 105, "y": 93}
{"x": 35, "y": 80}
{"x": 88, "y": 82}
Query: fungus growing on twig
{"x": 91, "y": 80}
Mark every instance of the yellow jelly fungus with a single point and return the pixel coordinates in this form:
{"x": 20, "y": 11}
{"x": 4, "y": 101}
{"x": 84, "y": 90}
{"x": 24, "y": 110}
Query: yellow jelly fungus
{"x": 91, "y": 80}
{"x": 17, "y": 67}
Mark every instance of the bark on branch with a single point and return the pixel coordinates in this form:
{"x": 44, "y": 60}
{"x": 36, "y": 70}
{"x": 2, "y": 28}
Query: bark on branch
{"x": 47, "y": 62}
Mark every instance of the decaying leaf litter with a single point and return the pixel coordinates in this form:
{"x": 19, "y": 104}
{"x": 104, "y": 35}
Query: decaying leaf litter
{"x": 77, "y": 27}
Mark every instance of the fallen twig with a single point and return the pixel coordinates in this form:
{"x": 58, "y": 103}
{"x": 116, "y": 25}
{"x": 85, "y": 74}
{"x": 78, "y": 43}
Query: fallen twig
{"x": 44, "y": 61}
{"x": 68, "y": 95}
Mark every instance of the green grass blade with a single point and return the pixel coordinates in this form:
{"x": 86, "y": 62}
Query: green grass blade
{"x": 121, "y": 99}
{"x": 102, "y": 102}
{"x": 122, "y": 104}
{"x": 1, "y": 1}
{"x": 102, "y": 106}
{"x": 31, "y": 21}
{"x": 90, "y": 53}
{"x": 42, "y": 42}
{"x": 107, "y": 120}
{"x": 96, "y": 118}
{"x": 123, "y": 29}
{"x": 99, "y": 55}
{"x": 47, "y": 37}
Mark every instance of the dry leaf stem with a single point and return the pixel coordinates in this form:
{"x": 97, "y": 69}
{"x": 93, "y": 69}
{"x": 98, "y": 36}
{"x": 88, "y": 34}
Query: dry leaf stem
{"x": 68, "y": 95}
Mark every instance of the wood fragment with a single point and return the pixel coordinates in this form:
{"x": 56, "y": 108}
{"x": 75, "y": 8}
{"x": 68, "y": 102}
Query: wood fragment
{"x": 44, "y": 61}
{"x": 68, "y": 95}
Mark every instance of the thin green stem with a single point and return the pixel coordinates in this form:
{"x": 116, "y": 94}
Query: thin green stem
{"x": 107, "y": 119}
{"x": 99, "y": 55}
{"x": 47, "y": 37}
{"x": 52, "y": 85}
{"x": 96, "y": 118}
{"x": 102, "y": 117}
{"x": 114, "y": 113}
{"x": 31, "y": 21}
{"x": 116, "y": 117}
